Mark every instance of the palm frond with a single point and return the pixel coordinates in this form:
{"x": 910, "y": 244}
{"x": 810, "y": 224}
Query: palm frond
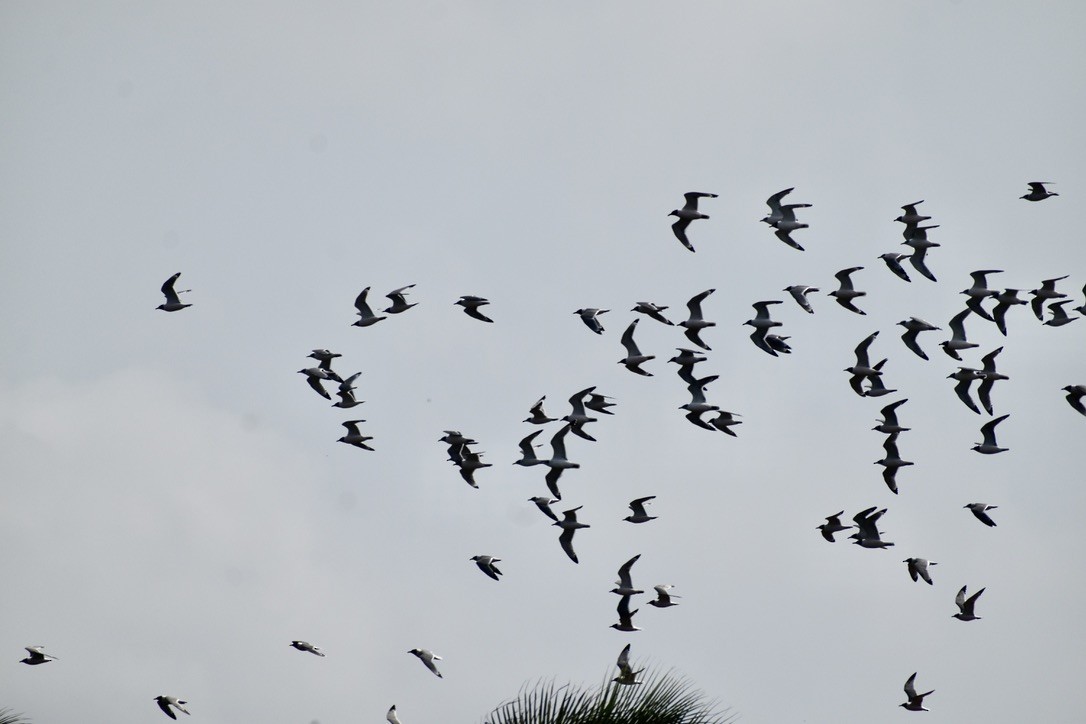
{"x": 9, "y": 717}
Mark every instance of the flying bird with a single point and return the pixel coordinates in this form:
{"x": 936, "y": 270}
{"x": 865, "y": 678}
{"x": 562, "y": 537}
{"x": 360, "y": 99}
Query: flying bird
{"x": 1059, "y": 314}
{"x": 989, "y": 376}
{"x": 399, "y": 301}
{"x": 918, "y": 568}
{"x": 916, "y": 237}
{"x": 893, "y": 263}
{"x": 832, "y": 525}
{"x": 966, "y": 605}
{"x": 1044, "y": 294}
{"x": 624, "y": 584}
{"x": 579, "y": 416}
{"x": 558, "y": 461}
{"x": 468, "y": 463}
{"x": 590, "y": 317}
{"x": 544, "y": 504}
{"x": 799, "y": 292}
{"x": 366, "y": 317}
{"x": 313, "y": 377}
{"x": 724, "y": 421}
{"x": 689, "y": 212}
{"x": 306, "y": 646}
{"x": 626, "y": 675}
{"x": 36, "y": 656}
{"x": 788, "y": 223}
{"x": 346, "y": 393}
{"x": 957, "y": 341}
{"x": 980, "y": 510}
{"x": 916, "y": 701}
{"x": 527, "y": 452}
{"x": 428, "y": 658}
{"x": 889, "y": 423}
{"x": 762, "y": 323}
{"x": 654, "y": 311}
{"x": 696, "y": 322}
{"x": 625, "y": 616}
{"x": 165, "y": 702}
{"x": 1075, "y": 393}
{"x": 846, "y": 292}
{"x": 965, "y": 377}
{"x": 698, "y": 405}
{"x": 1038, "y": 192}
{"x": 599, "y": 403}
{"x": 775, "y": 210}
{"x": 990, "y": 446}
{"x": 913, "y": 327}
{"x": 537, "y": 416}
{"x": 638, "y": 507}
{"x": 1004, "y": 301}
{"x": 634, "y": 359}
{"x": 569, "y": 526}
{"x": 391, "y": 716}
{"x": 891, "y": 462}
{"x": 911, "y": 216}
{"x": 471, "y": 306}
{"x": 486, "y": 565}
{"x": 173, "y": 302}
{"x": 862, "y": 369}
{"x": 663, "y": 596}
{"x": 867, "y": 534}
{"x": 876, "y": 387}
{"x": 354, "y": 436}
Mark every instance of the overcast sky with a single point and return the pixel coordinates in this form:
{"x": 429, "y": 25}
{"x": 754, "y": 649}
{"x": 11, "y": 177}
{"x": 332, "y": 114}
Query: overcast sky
{"x": 175, "y": 506}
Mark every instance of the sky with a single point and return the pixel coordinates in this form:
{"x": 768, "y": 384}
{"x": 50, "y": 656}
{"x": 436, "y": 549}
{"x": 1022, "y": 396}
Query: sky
{"x": 176, "y": 508}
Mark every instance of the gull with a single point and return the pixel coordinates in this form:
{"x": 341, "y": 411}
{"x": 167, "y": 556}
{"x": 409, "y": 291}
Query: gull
{"x": 686, "y": 359}
{"x": 173, "y": 302}
{"x": 37, "y": 656}
{"x": 638, "y": 507}
{"x": 589, "y": 317}
{"x": 456, "y": 442}
{"x": 599, "y": 403}
{"x": 624, "y": 583}
{"x": 399, "y": 303}
{"x": 313, "y": 377}
{"x": 914, "y": 326}
{"x": 1004, "y": 301}
{"x": 980, "y": 511}
{"x": 863, "y": 367}
{"x": 165, "y": 702}
{"x": 957, "y": 341}
{"x": 787, "y": 224}
{"x": 544, "y": 504}
{"x": 891, "y": 462}
{"x": 980, "y": 291}
{"x": 652, "y": 310}
{"x": 1059, "y": 314}
{"x": 325, "y": 358}
{"x": 832, "y": 525}
{"x": 778, "y": 344}
{"x": 471, "y": 306}
{"x": 989, "y": 376}
{"x": 538, "y": 417}
{"x": 989, "y": 446}
{"x": 917, "y": 259}
{"x": 391, "y": 716}
{"x": 626, "y": 675}
{"x": 354, "y": 437}
{"x": 469, "y": 463}
{"x": 965, "y": 377}
{"x": 724, "y": 420}
{"x": 893, "y": 263}
{"x": 1038, "y": 192}
{"x": 689, "y": 212}
{"x": 876, "y": 386}
{"x": 799, "y": 292}
{"x": 578, "y": 417}
{"x": 911, "y": 216}
{"x": 347, "y": 399}
{"x": 527, "y": 452}
{"x": 867, "y": 535}
{"x": 889, "y": 423}
{"x": 569, "y": 526}
{"x": 965, "y": 605}
{"x": 663, "y": 597}
{"x": 918, "y": 568}
{"x": 634, "y": 359}
{"x": 1081, "y": 310}
{"x": 775, "y": 210}
{"x": 306, "y": 646}
{"x": 916, "y": 237}
{"x": 1042, "y": 295}
{"x": 916, "y": 701}
{"x": 846, "y": 293}
{"x": 428, "y": 657}
{"x": 486, "y": 565}
{"x": 695, "y": 322}
{"x": 1075, "y": 393}
{"x": 558, "y": 461}
{"x": 762, "y": 324}
{"x": 697, "y": 405}
{"x": 366, "y": 317}
{"x": 625, "y": 616}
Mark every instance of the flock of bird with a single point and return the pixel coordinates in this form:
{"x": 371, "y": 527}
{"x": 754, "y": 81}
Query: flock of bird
{"x": 587, "y": 406}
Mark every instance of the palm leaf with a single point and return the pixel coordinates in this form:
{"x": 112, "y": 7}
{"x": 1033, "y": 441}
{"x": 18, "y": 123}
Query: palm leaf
{"x": 8, "y": 717}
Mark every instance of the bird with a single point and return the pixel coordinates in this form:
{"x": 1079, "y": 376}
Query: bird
{"x": 527, "y": 452}
{"x": 354, "y": 437}
{"x": 313, "y": 377}
{"x": 1044, "y": 294}
{"x": 663, "y": 596}
{"x": 173, "y": 301}
{"x": 536, "y": 414}
{"x": 306, "y": 646}
{"x": 876, "y": 387}
{"x": 989, "y": 376}
{"x": 989, "y": 446}
{"x": 846, "y": 292}
{"x": 590, "y": 317}
{"x": 625, "y": 616}
{"x": 913, "y": 327}
{"x": 325, "y": 357}
{"x": 689, "y": 212}
{"x": 891, "y": 462}
{"x": 1082, "y": 309}
{"x": 599, "y": 403}
{"x": 965, "y": 377}
{"x": 966, "y": 605}
{"x": 624, "y": 584}
{"x": 911, "y": 216}
{"x": 775, "y": 210}
{"x": 36, "y": 656}
{"x": 428, "y": 658}
{"x": 889, "y": 424}
{"x": 799, "y": 292}
{"x": 980, "y": 291}
{"x": 1038, "y": 192}
{"x": 957, "y": 341}
{"x": 980, "y": 511}
{"x": 165, "y": 702}
{"x": 788, "y": 223}
{"x": 918, "y": 568}
{"x": 1059, "y": 314}
{"x": 638, "y": 507}
{"x": 724, "y": 421}
{"x": 686, "y": 359}
{"x": 366, "y": 317}
{"x": 1075, "y": 393}
{"x": 778, "y": 343}
{"x": 579, "y": 417}
{"x": 698, "y": 405}
{"x": 391, "y": 716}
{"x": 634, "y": 359}
{"x": 626, "y": 675}
{"x": 867, "y": 534}
{"x": 346, "y": 393}
{"x": 486, "y": 565}
{"x": 471, "y": 306}
{"x": 1004, "y": 301}
{"x": 916, "y": 701}
{"x": 558, "y": 461}
{"x": 469, "y": 462}
{"x": 544, "y": 504}
{"x": 863, "y": 367}
{"x": 655, "y": 311}
{"x": 399, "y": 303}
{"x": 696, "y": 322}
{"x": 569, "y": 526}
{"x": 893, "y": 263}
{"x": 762, "y": 323}
{"x": 916, "y": 238}
{"x": 832, "y": 525}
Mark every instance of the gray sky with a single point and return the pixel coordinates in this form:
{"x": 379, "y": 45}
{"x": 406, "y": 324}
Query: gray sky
{"x": 176, "y": 508}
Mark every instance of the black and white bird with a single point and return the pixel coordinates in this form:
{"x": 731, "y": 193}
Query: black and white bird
{"x": 471, "y": 305}
{"x": 36, "y": 656}
{"x": 918, "y": 568}
{"x": 590, "y": 317}
{"x": 911, "y": 216}
{"x": 916, "y": 238}
{"x": 536, "y": 414}
{"x": 889, "y": 423}
{"x": 966, "y": 605}
{"x": 696, "y": 321}
{"x": 891, "y": 462}
{"x": 428, "y": 658}
{"x": 893, "y": 263}
{"x": 775, "y": 209}
{"x": 1045, "y": 293}
{"x": 958, "y": 340}
{"x": 762, "y": 323}
{"x": 989, "y": 377}
{"x": 347, "y": 399}
{"x": 863, "y": 368}
{"x": 980, "y": 291}
{"x": 832, "y": 525}
{"x": 165, "y": 702}
{"x": 638, "y": 507}
{"x": 1059, "y": 316}
{"x": 307, "y": 647}
{"x": 313, "y": 377}
{"x": 989, "y": 446}
{"x": 725, "y": 421}
{"x": 846, "y": 292}
{"x": 698, "y": 405}
{"x": 634, "y": 359}
{"x": 626, "y": 675}
{"x": 544, "y": 504}
{"x": 173, "y": 301}
{"x": 654, "y": 311}
{"x": 399, "y": 301}
{"x": 624, "y": 585}
{"x": 916, "y": 701}
{"x": 391, "y": 716}
{"x": 1005, "y": 300}
{"x": 354, "y": 436}
{"x": 558, "y": 461}
{"x": 980, "y": 510}
{"x": 876, "y": 386}
{"x": 913, "y": 327}
{"x": 799, "y": 292}
{"x": 486, "y": 565}
{"x": 1038, "y": 192}
{"x": 569, "y": 525}
{"x": 1075, "y": 393}
{"x": 578, "y": 416}
{"x": 788, "y": 223}
{"x": 965, "y": 377}
{"x": 366, "y": 317}
{"x": 663, "y": 596}
{"x": 689, "y": 212}
{"x": 867, "y": 534}
{"x": 625, "y": 616}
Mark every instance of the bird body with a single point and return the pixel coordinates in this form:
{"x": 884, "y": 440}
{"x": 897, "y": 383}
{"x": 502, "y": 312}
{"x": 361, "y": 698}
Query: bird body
{"x": 166, "y": 702}
{"x": 307, "y": 647}
{"x": 980, "y": 511}
{"x": 966, "y": 605}
{"x": 1038, "y": 192}
{"x": 366, "y": 317}
{"x": 471, "y": 305}
{"x": 918, "y": 568}
{"x": 845, "y": 293}
{"x": 689, "y": 212}
{"x": 36, "y": 655}
{"x": 590, "y": 316}
{"x": 173, "y": 301}
{"x": 638, "y": 507}
{"x": 428, "y": 658}
{"x": 989, "y": 446}
{"x": 486, "y": 565}
{"x": 634, "y": 359}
